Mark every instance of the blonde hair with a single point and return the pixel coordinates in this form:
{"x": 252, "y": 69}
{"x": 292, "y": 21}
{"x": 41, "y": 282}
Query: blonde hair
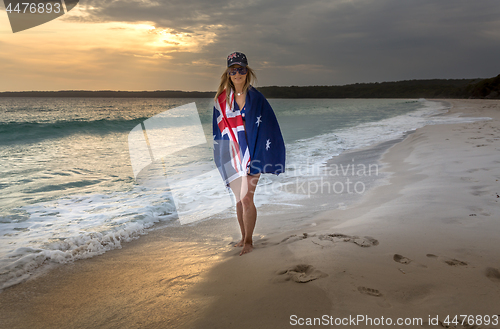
{"x": 227, "y": 84}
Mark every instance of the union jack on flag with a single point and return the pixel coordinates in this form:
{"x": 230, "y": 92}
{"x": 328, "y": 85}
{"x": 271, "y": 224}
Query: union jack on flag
{"x": 230, "y": 147}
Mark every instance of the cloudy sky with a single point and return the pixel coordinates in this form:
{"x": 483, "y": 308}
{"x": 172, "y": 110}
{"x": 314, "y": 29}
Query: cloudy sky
{"x": 183, "y": 44}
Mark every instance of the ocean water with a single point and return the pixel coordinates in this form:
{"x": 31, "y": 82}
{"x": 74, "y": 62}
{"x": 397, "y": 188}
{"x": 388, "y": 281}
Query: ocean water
{"x": 68, "y": 190}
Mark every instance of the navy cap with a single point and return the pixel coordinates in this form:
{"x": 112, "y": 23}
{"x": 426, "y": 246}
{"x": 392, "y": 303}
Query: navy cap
{"x": 237, "y": 58}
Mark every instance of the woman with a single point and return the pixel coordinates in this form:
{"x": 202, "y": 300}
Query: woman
{"x": 247, "y": 140}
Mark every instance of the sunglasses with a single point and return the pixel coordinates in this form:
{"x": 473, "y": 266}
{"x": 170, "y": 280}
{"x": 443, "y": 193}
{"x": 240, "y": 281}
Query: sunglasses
{"x": 240, "y": 70}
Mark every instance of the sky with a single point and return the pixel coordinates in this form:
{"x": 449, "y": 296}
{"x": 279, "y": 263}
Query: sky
{"x": 183, "y": 44}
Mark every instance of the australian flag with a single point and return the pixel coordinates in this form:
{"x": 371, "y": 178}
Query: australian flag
{"x": 247, "y": 144}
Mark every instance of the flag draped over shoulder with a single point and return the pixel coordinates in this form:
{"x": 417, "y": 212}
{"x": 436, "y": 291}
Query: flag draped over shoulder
{"x": 231, "y": 153}
{"x": 251, "y": 144}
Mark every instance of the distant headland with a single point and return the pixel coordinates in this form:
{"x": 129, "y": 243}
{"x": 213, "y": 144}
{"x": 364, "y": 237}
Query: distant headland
{"x": 435, "y": 88}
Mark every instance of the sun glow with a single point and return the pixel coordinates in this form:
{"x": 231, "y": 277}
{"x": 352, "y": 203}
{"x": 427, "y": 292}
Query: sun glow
{"x": 76, "y": 52}
{"x": 170, "y": 40}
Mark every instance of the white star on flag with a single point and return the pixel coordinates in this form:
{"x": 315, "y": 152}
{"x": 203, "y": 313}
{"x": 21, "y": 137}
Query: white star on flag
{"x": 259, "y": 120}
{"x": 214, "y": 142}
{"x": 268, "y": 144}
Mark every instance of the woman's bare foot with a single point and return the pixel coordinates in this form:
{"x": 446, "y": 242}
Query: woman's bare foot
{"x": 239, "y": 244}
{"x": 246, "y": 249}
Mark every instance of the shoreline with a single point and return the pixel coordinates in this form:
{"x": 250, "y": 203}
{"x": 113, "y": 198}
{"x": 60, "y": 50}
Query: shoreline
{"x": 300, "y": 208}
{"x": 49, "y": 289}
{"x": 206, "y": 286}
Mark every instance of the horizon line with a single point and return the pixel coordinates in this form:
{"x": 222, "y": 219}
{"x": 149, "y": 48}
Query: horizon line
{"x": 196, "y": 91}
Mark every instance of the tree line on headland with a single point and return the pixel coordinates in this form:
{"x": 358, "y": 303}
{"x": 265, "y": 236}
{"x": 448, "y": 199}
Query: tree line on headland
{"x": 435, "y": 88}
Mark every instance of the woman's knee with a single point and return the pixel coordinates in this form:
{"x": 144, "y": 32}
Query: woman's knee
{"x": 247, "y": 201}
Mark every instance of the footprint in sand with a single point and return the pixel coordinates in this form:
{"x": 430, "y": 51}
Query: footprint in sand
{"x": 382, "y": 302}
{"x": 455, "y": 262}
{"x": 366, "y": 241}
{"x": 478, "y": 210}
{"x": 295, "y": 237}
{"x": 401, "y": 259}
{"x": 479, "y": 190}
{"x": 264, "y": 242}
{"x": 449, "y": 261}
{"x": 370, "y": 291}
{"x": 493, "y": 274}
{"x": 302, "y": 273}
{"x": 405, "y": 260}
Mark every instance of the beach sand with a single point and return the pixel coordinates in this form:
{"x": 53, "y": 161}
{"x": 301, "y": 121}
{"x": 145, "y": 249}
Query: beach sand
{"x": 425, "y": 245}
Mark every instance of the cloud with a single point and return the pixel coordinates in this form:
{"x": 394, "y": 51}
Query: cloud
{"x": 296, "y": 42}
{"x": 359, "y": 40}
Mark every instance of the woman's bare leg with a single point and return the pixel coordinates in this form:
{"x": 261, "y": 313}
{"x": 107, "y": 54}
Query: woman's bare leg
{"x": 249, "y": 211}
{"x": 236, "y": 188}
{"x": 239, "y": 213}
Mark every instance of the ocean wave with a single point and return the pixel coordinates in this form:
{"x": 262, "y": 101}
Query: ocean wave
{"x": 77, "y": 227}
{"x": 30, "y": 132}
